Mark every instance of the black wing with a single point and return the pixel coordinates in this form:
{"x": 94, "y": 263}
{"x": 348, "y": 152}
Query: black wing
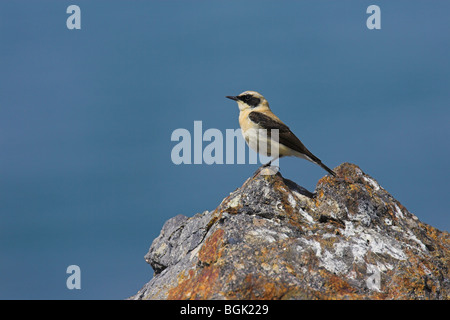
{"x": 286, "y": 137}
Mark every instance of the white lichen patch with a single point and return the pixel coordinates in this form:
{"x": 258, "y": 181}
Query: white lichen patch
{"x": 383, "y": 267}
{"x": 299, "y": 195}
{"x": 412, "y": 237}
{"x": 292, "y": 201}
{"x": 346, "y": 253}
{"x": 306, "y": 216}
{"x": 310, "y": 244}
{"x": 373, "y": 183}
{"x": 358, "y": 171}
{"x": 161, "y": 249}
{"x": 356, "y": 244}
{"x": 351, "y": 275}
{"x": 234, "y": 202}
{"x": 260, "y": 236}
{"x": 328, "y": 236}
{"x": 194, "y": 252}
{"x": 398, "y": 212}
{"x": 267, "y": 235}
{"x": 363, "y": 214}
{"x": 279, "y": 206}
{"x": 329, "y": 262}
{"x": 349, "y": 229}
{"x": 384, "y": 245}
{"x": 301, "y": 201}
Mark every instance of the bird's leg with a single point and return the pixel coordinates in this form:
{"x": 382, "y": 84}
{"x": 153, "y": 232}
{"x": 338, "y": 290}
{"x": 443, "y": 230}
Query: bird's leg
{"x": 262, "y": 167}
{"x": 268, "y": 164}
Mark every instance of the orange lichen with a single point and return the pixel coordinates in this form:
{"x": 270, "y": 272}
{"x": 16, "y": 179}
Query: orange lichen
{"x": 200, "y": 285}
{"x": 336, "y": 285}
{"x": 258, "y": 287}
{"x": 209, "y": 251}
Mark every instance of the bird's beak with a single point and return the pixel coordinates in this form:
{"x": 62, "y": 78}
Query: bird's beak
{"x": 232, "y": 98}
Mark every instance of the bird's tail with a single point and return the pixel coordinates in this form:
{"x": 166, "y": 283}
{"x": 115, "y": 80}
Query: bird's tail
{"x": 327, "y": 169}
{"x": 314, "y": 159}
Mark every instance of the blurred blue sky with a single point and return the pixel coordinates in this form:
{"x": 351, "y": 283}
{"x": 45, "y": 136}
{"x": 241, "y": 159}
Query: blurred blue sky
{"x": 86, "y": 118}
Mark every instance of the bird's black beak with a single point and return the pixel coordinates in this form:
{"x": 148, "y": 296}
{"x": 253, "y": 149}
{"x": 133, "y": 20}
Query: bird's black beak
{"x": 232, "y": 98}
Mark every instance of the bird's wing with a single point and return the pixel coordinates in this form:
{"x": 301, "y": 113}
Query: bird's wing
{"x": 286, "y": 137}
{"x": 267, "y": 122}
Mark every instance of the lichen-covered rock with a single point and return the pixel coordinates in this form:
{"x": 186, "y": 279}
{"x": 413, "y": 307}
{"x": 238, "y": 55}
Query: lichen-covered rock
{"x": 272, "y": 239}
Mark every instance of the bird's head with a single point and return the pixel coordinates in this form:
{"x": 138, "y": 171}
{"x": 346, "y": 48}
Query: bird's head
{"x": 250, "y": 100}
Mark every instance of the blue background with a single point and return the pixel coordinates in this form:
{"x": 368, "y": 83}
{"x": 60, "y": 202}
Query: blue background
{"x": 86, "y": 118}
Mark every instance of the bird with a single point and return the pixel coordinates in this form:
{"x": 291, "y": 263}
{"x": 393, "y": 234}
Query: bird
{"x": 254, "y": 115}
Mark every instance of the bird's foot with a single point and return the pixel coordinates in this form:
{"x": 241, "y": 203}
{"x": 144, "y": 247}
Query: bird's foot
{"x": 268, "y": 164}
{"x": 267, "y": 169}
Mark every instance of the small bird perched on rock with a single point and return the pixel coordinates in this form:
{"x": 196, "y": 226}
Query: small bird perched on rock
{"x": 255, "y": 115}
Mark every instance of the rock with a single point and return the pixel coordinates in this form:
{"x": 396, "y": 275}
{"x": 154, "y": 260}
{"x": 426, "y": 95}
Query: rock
{"x": 272, "y": 239}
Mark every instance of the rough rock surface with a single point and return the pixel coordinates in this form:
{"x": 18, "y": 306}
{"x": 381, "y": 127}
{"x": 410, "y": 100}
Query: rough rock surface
{"x": 272, "y": 239}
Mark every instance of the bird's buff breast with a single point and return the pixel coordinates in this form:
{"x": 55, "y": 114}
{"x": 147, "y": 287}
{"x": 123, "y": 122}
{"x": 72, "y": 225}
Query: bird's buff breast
{"x": 256, "y": 138}
{"x": 251, "y": 134}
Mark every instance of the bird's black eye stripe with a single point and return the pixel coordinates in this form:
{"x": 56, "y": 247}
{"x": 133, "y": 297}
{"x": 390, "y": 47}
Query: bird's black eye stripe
{"x": 250, "y": 100}
{"x": 245, "y": 97}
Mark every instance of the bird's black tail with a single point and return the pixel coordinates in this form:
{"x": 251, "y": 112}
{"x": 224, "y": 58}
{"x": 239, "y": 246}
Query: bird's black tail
{"x": 327, "y": 169}
{"x": 309, "y": 156}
